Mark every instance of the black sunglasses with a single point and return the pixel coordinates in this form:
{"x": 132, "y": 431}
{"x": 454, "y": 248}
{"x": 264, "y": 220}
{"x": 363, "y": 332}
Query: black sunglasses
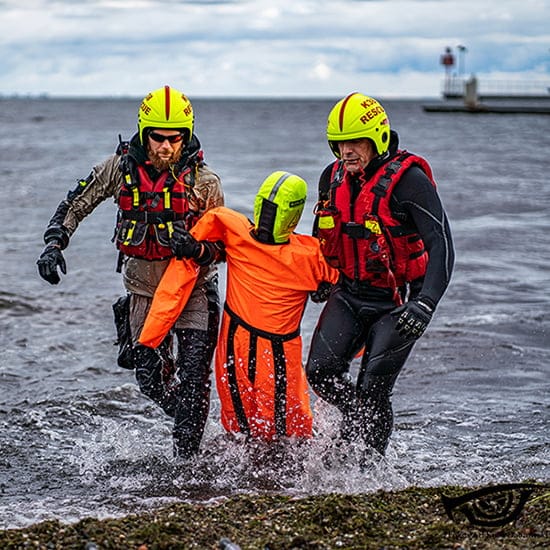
{"x": 159, "y": 138}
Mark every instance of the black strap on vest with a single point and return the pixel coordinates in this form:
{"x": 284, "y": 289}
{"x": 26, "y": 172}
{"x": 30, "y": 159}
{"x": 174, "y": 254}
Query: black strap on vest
{"x": 152, "y": 217}
{"x": 355, "y": 230}
{"x": 279, "y": 359}
{"x": 335, "y": 181}
{"x": 130, "y": 177}
{"x": 380, "y": 190}
{"x": 123, "y": 148}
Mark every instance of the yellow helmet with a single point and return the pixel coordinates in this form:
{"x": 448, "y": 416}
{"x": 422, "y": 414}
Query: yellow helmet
{"x": 358, "y": 116}
{"x": 166, "y": 108}
{"x": 278, "y": 206}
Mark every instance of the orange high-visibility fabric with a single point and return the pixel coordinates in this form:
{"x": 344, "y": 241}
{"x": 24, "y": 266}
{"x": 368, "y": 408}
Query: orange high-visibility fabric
{"x": 267, "y": 289}
{"x": 252, "y": 402}
{"x": 169, "y": 299}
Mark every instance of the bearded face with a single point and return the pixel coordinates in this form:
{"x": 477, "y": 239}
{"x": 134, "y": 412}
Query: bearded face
{"x": 163, "y": 161}
{"x": 164, "y": 148}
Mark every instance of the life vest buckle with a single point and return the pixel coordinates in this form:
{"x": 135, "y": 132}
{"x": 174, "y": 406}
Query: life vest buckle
{"x": 356, "y": 230}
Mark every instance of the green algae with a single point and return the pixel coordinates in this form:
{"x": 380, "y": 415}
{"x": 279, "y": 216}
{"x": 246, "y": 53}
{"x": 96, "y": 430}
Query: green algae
{"x": 413, "y": 518}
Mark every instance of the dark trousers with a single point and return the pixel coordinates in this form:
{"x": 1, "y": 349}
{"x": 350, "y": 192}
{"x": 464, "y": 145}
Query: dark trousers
{"x": 181, "y": 387}
{"x": 347, "y": 324}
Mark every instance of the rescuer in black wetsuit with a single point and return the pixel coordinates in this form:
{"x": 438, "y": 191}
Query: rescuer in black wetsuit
{"x": 381, "y": 223}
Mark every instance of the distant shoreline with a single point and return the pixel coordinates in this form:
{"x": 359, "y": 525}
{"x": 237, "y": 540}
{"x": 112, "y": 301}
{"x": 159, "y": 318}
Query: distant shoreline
{"x": 205, "y": 98}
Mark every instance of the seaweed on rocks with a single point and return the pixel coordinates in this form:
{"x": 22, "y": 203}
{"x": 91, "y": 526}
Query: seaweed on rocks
{"x": 412, "y": 518}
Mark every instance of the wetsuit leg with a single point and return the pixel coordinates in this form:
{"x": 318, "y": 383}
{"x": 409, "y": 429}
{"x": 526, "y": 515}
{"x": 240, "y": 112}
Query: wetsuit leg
{"x": 335, "y": 341}
{"x": 380, "y": 367}
{"x": 150, "y": 368}
{"x": 121, "y": 311}
{"x": 194, "y": 367}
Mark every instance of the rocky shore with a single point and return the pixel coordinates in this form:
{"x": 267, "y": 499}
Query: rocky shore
{"x": 413, "y": 518}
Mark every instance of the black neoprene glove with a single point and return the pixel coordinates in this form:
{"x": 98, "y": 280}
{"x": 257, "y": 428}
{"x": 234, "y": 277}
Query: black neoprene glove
{"x": 322, "y": 293}
{"x": 413, "y": 318}
{"x": 48, "y": 262}
{"x": 184, "y": 245}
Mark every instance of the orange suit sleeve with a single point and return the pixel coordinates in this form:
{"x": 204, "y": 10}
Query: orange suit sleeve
{"x": 170, "y": 298}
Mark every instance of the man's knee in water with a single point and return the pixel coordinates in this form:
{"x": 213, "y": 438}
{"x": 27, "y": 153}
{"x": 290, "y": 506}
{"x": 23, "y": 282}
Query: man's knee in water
{"x": 148, "y": 368}
{"x": 334, "y": 385}
{"x": 319, "y": 374}
{"x": 376, "y": 387}
{"x": 121, "y": 311}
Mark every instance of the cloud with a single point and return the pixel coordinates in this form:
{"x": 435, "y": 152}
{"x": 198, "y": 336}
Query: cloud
{"x": 250, "y": 47}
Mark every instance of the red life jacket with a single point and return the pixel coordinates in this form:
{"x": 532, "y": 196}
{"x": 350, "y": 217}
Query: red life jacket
{"x": 363, "y": 239}
{"x": 147, "y": 210}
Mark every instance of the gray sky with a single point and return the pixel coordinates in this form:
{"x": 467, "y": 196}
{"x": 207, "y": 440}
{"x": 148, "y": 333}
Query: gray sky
{"x": 309, "y": 48}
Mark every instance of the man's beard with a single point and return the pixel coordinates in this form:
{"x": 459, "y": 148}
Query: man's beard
{"x": 161, "y": 164}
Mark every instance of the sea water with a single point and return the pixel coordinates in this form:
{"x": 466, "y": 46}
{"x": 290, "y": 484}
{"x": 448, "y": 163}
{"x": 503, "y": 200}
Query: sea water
{"x": 471, "y": 406}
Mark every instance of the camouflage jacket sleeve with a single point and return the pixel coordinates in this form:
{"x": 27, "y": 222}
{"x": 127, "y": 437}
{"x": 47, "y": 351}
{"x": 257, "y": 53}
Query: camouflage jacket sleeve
{"x": 207, "y": 192}
{"x": 104, "y": 181}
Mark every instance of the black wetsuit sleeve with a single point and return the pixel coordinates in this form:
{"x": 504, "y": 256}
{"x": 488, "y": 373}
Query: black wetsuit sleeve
{"x": 415, "y": 198}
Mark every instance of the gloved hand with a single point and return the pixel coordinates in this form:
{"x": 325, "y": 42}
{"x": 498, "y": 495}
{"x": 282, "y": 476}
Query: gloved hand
{"x": 48, "y": 262}
{"x": 184, "y": 245}
{"x": 413, "y": 318}
{"x": 322, "y": 293}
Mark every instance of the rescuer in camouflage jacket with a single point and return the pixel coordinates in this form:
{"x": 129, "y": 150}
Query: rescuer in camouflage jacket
{"x": 160, "y": 182}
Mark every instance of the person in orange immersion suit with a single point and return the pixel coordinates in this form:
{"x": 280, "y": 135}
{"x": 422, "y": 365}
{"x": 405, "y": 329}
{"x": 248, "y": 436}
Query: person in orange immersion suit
{"x": 270, "y": 272}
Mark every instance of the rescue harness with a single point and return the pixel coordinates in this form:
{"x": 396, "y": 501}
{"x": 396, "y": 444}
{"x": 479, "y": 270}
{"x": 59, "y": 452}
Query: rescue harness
{"x": 362, "y": 237}
{"x": 279, "y": 361}
{"x": 148, "y": 208}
